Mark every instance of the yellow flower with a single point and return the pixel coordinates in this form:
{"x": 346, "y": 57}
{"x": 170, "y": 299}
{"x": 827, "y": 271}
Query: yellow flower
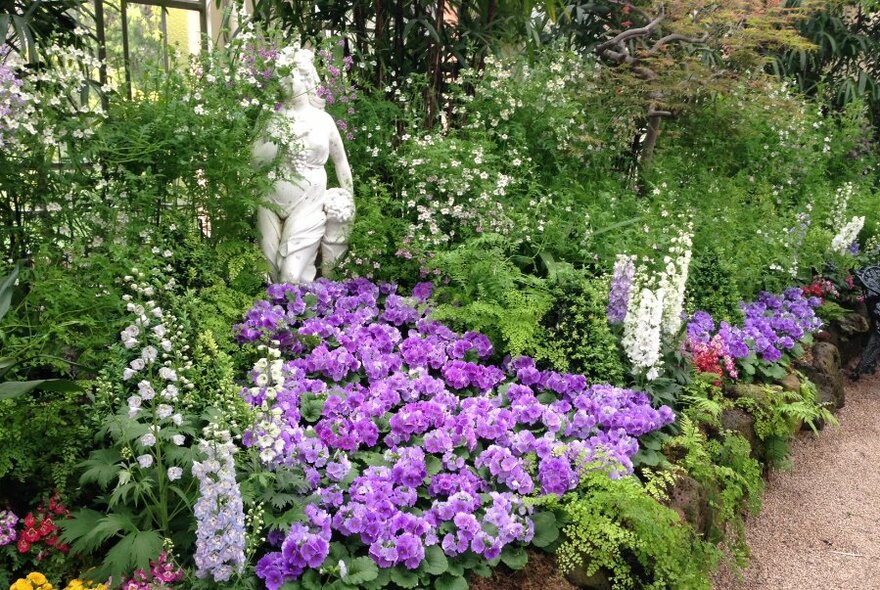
{"x": 75, "y": 585}
{"x": 21, "y": 584}
{"x": 37, "y": 578}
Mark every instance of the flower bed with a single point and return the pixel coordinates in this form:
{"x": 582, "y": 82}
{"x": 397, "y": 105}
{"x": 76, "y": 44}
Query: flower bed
{"x": 416, "y": 447}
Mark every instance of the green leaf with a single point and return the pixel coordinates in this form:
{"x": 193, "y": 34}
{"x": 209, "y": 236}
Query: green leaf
{"x": 6, "y": 287}
{"x": 435, "y": 465}
{"x": 404, "y": 578}
{"x": 133, "y": 551}
{"x": 101, "y": 467}
{"x": 449, "y": 582}
{"x": 360, "y": 571}
{"x": 77, "y": 530}
{"x": 310, "y": 580}
{"x": 546, "y": 529}
{"x": 515, "y": 558}
{"x": 435, "y": 561}
{"x": 12, "y": 389}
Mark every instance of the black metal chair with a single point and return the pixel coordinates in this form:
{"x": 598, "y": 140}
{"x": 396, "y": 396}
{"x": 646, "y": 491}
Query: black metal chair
{"x": 869, "y": 279}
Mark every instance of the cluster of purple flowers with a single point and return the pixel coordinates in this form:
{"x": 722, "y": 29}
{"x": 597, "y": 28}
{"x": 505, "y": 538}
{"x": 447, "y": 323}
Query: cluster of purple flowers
{"x": 772, "y": 325}
{"x": 220, "y": 536}
{"x": 335, "y": 89}
{"x": 8, "y": 522}
{"x": 621, "y": 286}
{"x": 12, "y": 99}
{"x": 408, "y": 435}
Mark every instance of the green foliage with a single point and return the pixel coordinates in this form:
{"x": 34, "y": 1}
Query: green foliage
{"x": 617, "y": 526}
{"x": 732, "y": 478}
{"x": 778, "y": 414}
{"x": 577, "y": 337}
{"x": 490, "y": 294}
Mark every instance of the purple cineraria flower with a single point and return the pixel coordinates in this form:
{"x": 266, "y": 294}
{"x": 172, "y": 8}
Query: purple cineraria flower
{"x": 408, "y": 435}
{"x": 772, "y": 325}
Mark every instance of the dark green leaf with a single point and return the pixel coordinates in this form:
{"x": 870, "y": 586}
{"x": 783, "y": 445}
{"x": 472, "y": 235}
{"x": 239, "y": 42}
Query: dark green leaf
{"x": 515, "y": 558}
{"x": 546, "y": 529}
{"x": 435, "y": 561}
{"x": 360, "y": 571}
{"x": 448, "y": 582}
{"x": 404, "y": 578}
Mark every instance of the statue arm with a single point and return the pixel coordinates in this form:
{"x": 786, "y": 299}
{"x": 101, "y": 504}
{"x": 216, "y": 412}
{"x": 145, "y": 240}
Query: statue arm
{"x": 340, "y": 160}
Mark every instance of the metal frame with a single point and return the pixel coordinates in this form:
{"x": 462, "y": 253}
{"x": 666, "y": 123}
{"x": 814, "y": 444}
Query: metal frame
{"x": 199, "y": 6}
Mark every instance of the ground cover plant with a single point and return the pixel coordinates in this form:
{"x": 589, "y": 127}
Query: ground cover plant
{"x": 539, "y": 333}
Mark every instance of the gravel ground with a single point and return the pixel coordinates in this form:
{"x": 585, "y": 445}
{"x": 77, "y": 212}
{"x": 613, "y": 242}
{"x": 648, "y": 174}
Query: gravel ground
{"x": 820, "y": 526}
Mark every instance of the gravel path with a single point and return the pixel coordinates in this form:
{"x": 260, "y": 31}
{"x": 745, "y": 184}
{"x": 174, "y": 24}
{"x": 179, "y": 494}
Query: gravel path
{"x": 820, "y": 526}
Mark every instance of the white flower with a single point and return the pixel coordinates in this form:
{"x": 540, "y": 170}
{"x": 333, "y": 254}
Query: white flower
{"x": 178, "y": 439}
{"x": 164, "y": 410}
{"x": 168, "y": 374}
{"x": 148, "y": 440}
{"x": 642, "y": 329}
{"x": 170, "y": 392}
{"x": 175, "y": 473}
{"x": 145, "y": 461}
{"x": 146, "y": 390}
{"x": 137, "y": 364}
{"x": 149, "y": 354}
{"x": 177, "y": 419}
{"x": 128, "y": 374}
{"x": 848, "y": 234}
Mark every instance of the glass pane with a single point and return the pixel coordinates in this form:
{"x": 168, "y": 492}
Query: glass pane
{"x": 146, "y": 44}
{"x": 184, "y": 32}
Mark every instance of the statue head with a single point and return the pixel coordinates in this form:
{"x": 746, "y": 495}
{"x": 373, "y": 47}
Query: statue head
{"x": 302, "y": 76}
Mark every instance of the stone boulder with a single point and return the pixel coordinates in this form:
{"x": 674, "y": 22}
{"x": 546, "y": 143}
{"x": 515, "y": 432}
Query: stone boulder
{"x": 825, "y": 371}
{"x": 743, "y": 423}
{"x": 690, "y": 499}
{"x": 578, "y": 577}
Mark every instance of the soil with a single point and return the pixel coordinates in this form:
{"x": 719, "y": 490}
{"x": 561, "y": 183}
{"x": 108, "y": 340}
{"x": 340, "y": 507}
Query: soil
{"x": 541, "y": 573}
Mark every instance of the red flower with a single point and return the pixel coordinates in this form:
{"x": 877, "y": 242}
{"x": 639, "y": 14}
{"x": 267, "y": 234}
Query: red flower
{"x": 23, "y": 545}
{"x": 29, "y": 520}
{"x": 31, "y": 535}
{"x": 51, "y": 540}
{"x": 62, "y": 547}
{"x": 46, "y": 527}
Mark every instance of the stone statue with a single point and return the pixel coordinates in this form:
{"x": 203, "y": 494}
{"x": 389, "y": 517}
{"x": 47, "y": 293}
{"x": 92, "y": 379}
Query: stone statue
{"x": 306, "y": 215}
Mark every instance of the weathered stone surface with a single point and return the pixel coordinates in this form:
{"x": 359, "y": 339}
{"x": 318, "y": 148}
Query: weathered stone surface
{"x": 750, "y": 390}
{"x": 826, "y": 358}
{"x": 790, "y": 383}
{"x": 849, "y": 334}
{"x": 855, "y": 323}
{"x": 691, "y": 500}
{"x": 743, "y": 423}
{"x": 598, "y": 581}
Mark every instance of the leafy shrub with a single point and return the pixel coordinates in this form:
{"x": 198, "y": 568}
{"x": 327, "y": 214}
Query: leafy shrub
{"x": 578, "y": 337}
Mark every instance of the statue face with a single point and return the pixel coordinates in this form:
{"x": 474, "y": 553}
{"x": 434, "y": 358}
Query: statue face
{"x": 295, "y": 84}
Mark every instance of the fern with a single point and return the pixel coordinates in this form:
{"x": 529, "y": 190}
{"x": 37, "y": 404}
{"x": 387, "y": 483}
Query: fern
{"x": 617, "y": 525}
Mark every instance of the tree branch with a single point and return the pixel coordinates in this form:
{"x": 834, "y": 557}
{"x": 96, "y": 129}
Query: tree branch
{"x": 621, "y": 38}
{"x": 675, "y": 37}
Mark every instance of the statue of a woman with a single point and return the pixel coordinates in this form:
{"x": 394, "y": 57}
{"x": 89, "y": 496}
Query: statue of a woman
{"x": 292, "y": 231}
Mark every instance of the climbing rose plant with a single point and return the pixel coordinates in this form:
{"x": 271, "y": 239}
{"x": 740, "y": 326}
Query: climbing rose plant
{"x": 416, "y": 447}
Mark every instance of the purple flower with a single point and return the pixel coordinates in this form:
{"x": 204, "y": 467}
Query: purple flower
{"x": 621, "y": 286}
